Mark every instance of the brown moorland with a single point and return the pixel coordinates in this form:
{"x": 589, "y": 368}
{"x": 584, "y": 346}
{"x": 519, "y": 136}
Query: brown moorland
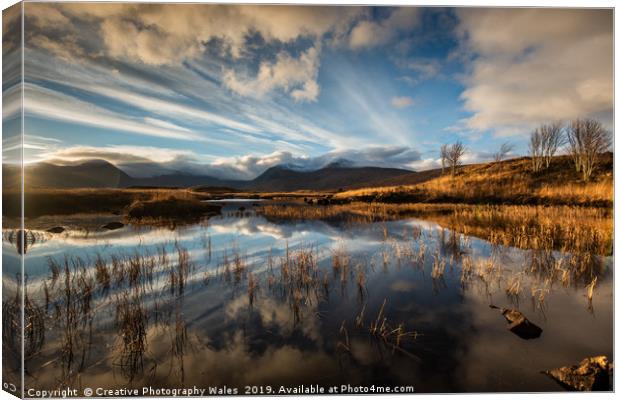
{"x": 506, "y": 182}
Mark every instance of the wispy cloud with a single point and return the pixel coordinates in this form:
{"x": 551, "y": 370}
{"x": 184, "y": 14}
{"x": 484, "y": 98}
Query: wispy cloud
{"x": 49, "y": 104}
{"x": 171, "y": 109}
{"x": 44, "y": 103}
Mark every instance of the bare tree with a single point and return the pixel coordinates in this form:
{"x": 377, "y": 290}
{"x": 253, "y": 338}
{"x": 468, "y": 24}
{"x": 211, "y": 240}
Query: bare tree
{"x": 552, "y": 139}
{"x": 455, "y": 155}
{"x": 503, "y": 151}
{"x": 536, "y": 150}
{"x": 443, "y": 153}
{"x": 587, "y": 139}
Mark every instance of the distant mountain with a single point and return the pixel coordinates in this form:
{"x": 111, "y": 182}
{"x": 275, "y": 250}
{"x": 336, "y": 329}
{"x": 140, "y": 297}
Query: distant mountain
{"x": 333, "y": 176}
{"x": 100, "y": 174}
{"x": 184, "y": 180}
{"x": 89, "y": 174}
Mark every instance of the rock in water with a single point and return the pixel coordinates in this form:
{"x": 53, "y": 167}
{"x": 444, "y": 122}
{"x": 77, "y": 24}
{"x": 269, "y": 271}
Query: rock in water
{"x": 56, "y": 229}
{"x": 592, "y": 374}
{"x": 519, "y": 324}
{"x": 113, "y": 225}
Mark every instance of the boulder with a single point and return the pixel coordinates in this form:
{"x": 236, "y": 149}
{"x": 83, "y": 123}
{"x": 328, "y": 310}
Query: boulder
{"x": 592, "y": 374}
{"x": 113, "y": 225}
{"x": 519, "y": 324}
{"x": 56, "y": 229}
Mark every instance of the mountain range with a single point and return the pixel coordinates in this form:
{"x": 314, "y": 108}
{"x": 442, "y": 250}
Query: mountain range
{"x": 102, "y": 174}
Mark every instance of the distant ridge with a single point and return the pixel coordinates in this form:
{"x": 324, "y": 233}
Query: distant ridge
{"x": 340, "y": 174}
{"x": 333, "y": 176}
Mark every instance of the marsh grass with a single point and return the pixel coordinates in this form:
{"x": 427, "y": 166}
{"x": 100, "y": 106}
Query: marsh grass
{"x": 170, "y": 209}
{"x": 507, "y": 182}
{"x": 590, "y": 289}
{"x": 252, "y": 288}
{"x": 514, "y": 285}
{"x": 102, "y": 274}
{"x": 131, "y": 323}
{"x": 568, "y": 229}
{"x": 439, "y": 266}
{"x": 34, "y": 324}
{"x": 384, "y": 330}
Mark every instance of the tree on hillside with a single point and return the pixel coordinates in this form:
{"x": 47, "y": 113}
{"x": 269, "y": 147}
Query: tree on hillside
{"x": 455, "y": 155}
{"x": 587, "y": 139}
{"x": 503, "y": 151}
{"x": 443, "y": 153}
{"x": 552, "y": 139}
{"x": 536, "y": 150}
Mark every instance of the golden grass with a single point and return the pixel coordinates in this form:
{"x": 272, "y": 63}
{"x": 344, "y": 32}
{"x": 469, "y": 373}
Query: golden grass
{"x": 568, "y": 228}
{"x": 509, "y": 182}
{"x": 169, "y": 208}
{"x": 354, "y": 212}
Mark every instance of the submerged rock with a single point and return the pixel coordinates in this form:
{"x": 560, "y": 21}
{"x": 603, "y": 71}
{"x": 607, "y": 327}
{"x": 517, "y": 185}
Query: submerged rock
{"x": 593, "y": 373}
{"x": 519, "y": 324}
{"x": 56, "y": 229}
{"x": 113, "y": 225}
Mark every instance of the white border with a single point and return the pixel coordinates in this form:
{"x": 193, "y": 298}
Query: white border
{"x": 477, "y": 3}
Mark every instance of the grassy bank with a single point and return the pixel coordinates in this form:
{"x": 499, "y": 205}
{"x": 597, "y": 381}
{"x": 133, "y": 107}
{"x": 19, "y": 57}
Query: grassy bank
{"x": 170, "y": 208}
{"x": 131, "y": 203}
{"x": 566, "y": 228}
{"x": 508, "y": 182}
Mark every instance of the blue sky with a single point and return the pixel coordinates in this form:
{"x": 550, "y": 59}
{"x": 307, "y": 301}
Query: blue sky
{"x": 233, "y": 90}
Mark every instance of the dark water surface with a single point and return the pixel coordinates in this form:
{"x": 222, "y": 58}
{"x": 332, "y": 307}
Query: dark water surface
{"x": 212, "y": 330}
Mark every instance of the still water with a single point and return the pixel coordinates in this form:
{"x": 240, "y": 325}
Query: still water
{"x": 236, "y": 320}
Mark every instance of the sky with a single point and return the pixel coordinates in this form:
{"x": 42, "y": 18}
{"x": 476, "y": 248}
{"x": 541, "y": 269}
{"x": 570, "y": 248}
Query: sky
{"x": 230, "y": 91}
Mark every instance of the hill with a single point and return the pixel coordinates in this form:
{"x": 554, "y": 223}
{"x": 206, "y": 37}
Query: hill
{"x": 506, "y": 182}
{"x": 102, "y": 174}
{"x": 332, "y": 177}
{"x": 91, "y": 174}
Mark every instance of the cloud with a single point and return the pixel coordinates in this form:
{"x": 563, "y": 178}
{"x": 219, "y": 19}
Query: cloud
{"x": 171, "y": 33}
{"x": 297, "y": 77}
{"x": 48, "y": 104}
{"x": 368, "y": 33}
{"x": 402, "y": 102}
{"x": 137, "y": 161}
{"x": 169, "y": 108}
{"x": 379, "y": 156}
{"x": 423, "y": 69}
{"x": 527, "y": 66}
{"x": 119, "y": 154}
{"x": 141, "y": 161}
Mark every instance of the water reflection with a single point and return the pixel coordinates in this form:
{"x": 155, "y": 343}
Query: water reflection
{"x": 243, "y": 300}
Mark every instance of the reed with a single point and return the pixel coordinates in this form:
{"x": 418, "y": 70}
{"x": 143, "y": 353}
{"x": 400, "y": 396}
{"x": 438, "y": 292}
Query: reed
{"x": 252, "y": 288}
{"x": 131, "y": 323}
{"x": 514, "y": 285}
{"x": 102, "y": 274}
{"x": 590, "y": 289}
{"x": 439, "y": 266}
